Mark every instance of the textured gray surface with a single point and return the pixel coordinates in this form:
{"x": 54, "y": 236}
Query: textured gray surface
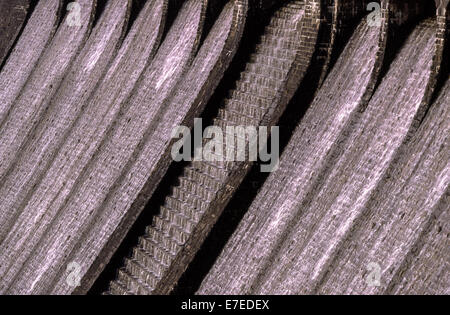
{"x": 45, "y": 79}
{"x": 25, "y": 55}
{"x": 292, "y": 237}
{"x": 81, "y": 80}
{"x": 85, "y": 140}
{"x": 13, "y": 14}
{"x": 273, "y": 74}
{"x": 187, "y": 103}
{"x": 405, "y": 226}
{"x": 189, "y": 212}
{"x": 60, "y": 208}
{"x": 135, "y": 54}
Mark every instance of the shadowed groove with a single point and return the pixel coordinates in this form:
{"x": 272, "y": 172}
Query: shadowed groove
{"x": 340, "y": 17}
{"x": 23, "y": 58}
{"x": 13, "y": 14}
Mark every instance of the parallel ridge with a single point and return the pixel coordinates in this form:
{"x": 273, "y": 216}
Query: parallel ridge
{"x": 135, "y": 55}
{"x": 184, "y": 219}
{"x": 13, "y": 14}
{"x": 77, "y": 207}
{"x": 339, "y": 16}
{"x": 303, "y": 227}
{"x": 82, "y": 79}
{"x": 22, "y": 60}
{"x": 25, "y": 112}
{"x": 192, "y": 94}
{"x": 343, "y": 94}
{"x": 411, "y": 243}
{"x": 84, "y": 143}
{"x": 107, "y": 167}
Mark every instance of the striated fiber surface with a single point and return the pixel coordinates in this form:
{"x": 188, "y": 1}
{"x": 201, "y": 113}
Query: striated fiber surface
{"x": 146, "y": 273}
{"x": 134, "y": 55}
{"x": 405, "y": 226}
{"x": 81, "y": 80}
{"x": 88, "y": 108}
{"x": 60, "y": 208}
{"x": 339, "y": 100}
{"x": 22, "y": 60}
{"x": 53, "y": 65}
{"x": 190, "y": 211}
{"x": 292, "y": 237}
